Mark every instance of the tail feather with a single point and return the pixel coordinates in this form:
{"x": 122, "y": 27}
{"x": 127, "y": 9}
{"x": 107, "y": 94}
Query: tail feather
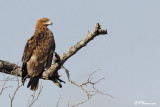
{"x": 33, "y": 83}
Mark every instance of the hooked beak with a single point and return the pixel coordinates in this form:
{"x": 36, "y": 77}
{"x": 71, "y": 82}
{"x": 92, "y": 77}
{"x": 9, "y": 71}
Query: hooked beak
{"x": 49, "y": 23}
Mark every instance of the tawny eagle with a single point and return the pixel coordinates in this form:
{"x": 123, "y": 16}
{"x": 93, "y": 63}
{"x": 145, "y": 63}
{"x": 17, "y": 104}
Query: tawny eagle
{"x": 38, "y": 53}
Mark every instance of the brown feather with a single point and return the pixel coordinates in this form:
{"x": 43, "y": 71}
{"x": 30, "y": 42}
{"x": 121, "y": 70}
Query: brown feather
{"x": 38, "y": 54}
{"x": 33, "y": 83}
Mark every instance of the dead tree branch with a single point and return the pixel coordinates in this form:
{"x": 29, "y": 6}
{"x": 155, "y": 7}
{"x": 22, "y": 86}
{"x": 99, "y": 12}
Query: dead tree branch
{"x": 90, "y": 93}
{"x": 72, "y": 50}
{"x": 34, "y": 97}
{"x": 13, "y": 69}
{"x": 58, "y": 101}
{"x": 80, "y": 103}
{"x": 18, "y": 86}
{"x": 4, "y": 87}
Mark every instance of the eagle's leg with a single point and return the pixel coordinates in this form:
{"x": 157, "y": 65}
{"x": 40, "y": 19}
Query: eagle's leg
{"x": 57, "y": 60}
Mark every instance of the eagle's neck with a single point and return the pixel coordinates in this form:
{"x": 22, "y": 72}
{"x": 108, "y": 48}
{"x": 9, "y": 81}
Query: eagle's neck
{"x": 41, "y": 27}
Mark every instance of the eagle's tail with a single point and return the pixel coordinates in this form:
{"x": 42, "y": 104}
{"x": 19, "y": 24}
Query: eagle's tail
{"x": 33, "y": 82}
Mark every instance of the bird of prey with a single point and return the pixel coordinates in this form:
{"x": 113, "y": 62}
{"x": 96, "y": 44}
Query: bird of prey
{"x": 38, "y": 53}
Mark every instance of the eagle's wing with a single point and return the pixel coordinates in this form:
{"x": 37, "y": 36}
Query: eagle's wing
{"x": 51, "y": 51}
{"x": 30, "y": 45}
{"x": 28, "y": 50}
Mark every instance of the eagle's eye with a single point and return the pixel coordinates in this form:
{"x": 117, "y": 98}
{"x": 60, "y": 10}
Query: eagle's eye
{"x": 44, "y": 21}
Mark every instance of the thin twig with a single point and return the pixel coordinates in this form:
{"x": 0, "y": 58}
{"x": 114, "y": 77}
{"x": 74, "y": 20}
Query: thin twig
{"x": 80, "y": 103}
{"x": 58, "y": 101}
{"x": 68, "y": 103}
{"x": 12, "y": 98}
{"x": 34, "y": 97}
{"x": 3, "y": 87}
{"x": 89, "y": 93}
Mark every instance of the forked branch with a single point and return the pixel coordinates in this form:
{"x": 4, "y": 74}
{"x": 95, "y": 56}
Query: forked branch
{"x": 3, "y": 86}
{"x": 90, "y": 92}
{"x": 34, "y": 98}
{"x": 14, "y": 94}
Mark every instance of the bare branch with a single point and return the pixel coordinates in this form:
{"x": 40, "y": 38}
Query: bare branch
{"x": 34, "y": 97}
{"x": 10, "y": 68}
{"x": 58, "y": 101}
{"x": 72, "y": 50}
{"x": 68, "y": 103}
{"x": 80, "y": 103}
{"x": 18, "y": 86}
{"x": 3, "y": 87}
{"x": 89, "y": 93}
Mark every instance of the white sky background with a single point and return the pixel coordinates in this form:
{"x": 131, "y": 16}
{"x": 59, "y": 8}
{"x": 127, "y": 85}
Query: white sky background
{"x": 129, "y": 55}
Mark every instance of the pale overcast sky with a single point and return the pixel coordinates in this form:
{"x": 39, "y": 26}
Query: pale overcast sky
{"x": 128, "y": 56}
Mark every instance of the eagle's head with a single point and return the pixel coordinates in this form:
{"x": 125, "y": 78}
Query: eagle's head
{"x": 43, "y": 22}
